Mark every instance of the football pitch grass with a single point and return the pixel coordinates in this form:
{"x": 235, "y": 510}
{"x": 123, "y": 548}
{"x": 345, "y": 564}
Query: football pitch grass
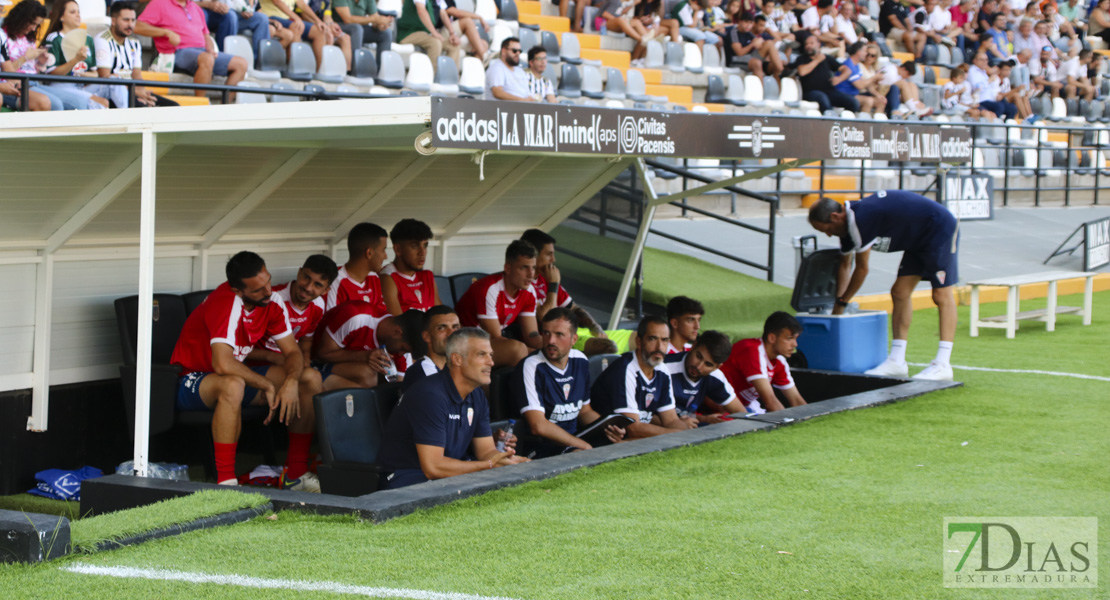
{"x": 849, "y": 505}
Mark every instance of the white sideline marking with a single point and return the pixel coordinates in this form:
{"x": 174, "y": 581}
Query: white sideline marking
{"x": 279, "y": 584}
{"x": 1026, "y": 371}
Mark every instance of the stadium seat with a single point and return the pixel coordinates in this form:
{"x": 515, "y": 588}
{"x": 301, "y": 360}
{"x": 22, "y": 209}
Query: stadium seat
{"x": 600, "y": 362}
{"x": 302, "y": 62}
{"x": 486, "y": 9}
{"x": 636, "y": 89}
{"x": 614, "y": 85}
{"x": 349, "y": 428}
{"x": 1059, "y": 110}
{"x": 958, "y": 57}
{"x": 281, "y": 85}
{"x": 711, "y": 60}
{"x": 391, "y": 73}
{"x": 591, "y": 83}
{"x": 500, "y": 398}
{"x": 420, "y": 75}
{"x": 271, "y": 61}
{"x": 462, "y": 282}
{"x": 334, "y": 66}
{"x": 238, "y": 45}
{"x": 550, "y": 44}
{"x": 443, "y": 286}
{"x": 930, "y": 55}
{"x": 346, "y": 88}
{"x": 364, "y": 68}
{"x": 944, "y": 55}
{"x": 390, "y": 8}
{"x": 446, "y": 81}
{"x": 244, "y": 97}
{"x": 715, "y": 90}
{"x": 569, "y": 50}
{"x": 692, "y": 58}
{"x": 771, "y": 92}
{"x": 473, "y": 79}
{"x": 655, "y": 56}
{"x": 528, "y": 39}
{"x": 194, "y": 299}
{"x": 316, "y": 89}
{"x": 499, "y": 33}
{"x": 570, "y": 82}
{"x": 753, "y": 90}
{"x": 736, "y": 94}
{"x": 676, "y": 54}
{"x": 790, "y": 94}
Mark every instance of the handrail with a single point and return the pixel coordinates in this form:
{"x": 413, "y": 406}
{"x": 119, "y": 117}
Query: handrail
{"x": 655, "y": 164}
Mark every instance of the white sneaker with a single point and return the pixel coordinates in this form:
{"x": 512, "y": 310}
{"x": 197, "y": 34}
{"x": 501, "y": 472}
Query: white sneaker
{"x": 230, "y": 482}
{"x": 638, "y": 63}
{"x": 935, "y": 372}
{"x": 890, "y": 368}
{"x": 305, "y": 483}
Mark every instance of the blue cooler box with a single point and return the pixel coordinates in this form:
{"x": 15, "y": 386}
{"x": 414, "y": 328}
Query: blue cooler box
{"x": 845, "y": 343}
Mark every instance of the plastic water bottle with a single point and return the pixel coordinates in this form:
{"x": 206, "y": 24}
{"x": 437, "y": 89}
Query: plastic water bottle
{"x": 391, "y": 373}
{"x": 508, "y": 434}
{"x": 604, "y": 29}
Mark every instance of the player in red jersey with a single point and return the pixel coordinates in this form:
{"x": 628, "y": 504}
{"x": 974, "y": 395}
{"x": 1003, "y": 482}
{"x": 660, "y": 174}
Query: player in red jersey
{"x": 406, "y": 284}
{"x": 684, "y": 316}
{"x": 216, "y": 338}
{"x": 548, "y": 286}
{"x": 357, "y": 343}
{"x": 358, "y": 277}
{"x": 497, "y": 301}
{"x": 757, "y": 367}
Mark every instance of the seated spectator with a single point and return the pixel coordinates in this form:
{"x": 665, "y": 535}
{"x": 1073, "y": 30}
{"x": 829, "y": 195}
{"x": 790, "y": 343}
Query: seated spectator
{"x": 442, "y": 428}
{"x": 997, "y": 41}
{"x": 10, "y": 90}
{"x": 773, "y": 17}
{"x": 439, "y": 323}
{"x": 1043, "y": 73}
{"x": 505, "y": 80}
{"x": 552, "y": 390}
{"x": 651, "y": 15}
{"x": 548, "y": 287}
{"x": 963, "y": 15}
{"x": 820, "y": 74}
{"x": 360, "y": 20}
{"x": 848, "y": 25}
{"x": 420, "y": 24}
{"x": 617, "y": 17}
{"x": 1018, "y": 96}
{"x": 688, "y": 13}
{"x": 1057, "y": 25}
{"x": 988, "y": 89}
{"x": 715, "y": 20}
{"x": 702, "y": 394}
{"x": 465, "y": 23}
{"x": 179, "y": 30}
{"x": 942, "y": 29}
{"x": 406, "y": 284}
{"x": 19, "y": 54}
{"x": 684, "y": 318}
{"x": 908, "y": 92}
{"x": 358, "y": 277}
{"x": 232, "y": 17}
{"x": 757, "y": 367}
{"x": 66, "y": 17}
{"x": 786, "y": 21}
{"x": 306, "y": 25}
{"x": 356, "y": 345}
{"x": 1074, "y": 13}
{"x": 956, "y": 94}
{"x": 540, "y": 88}
{"x": 637, "y": 387}
{"x": 1026, "y": 39}
{"x": 120, "y": 56}
{"x": 575, "y": 19}
{"x": 497, "y": 301}
{"x": 870, "y": 70}
{"x": 1072, "y": 74}
{"x": 819, "y": 21}
{"x": 215, "y": 340}
{"x": 1094, "y": 73}
{"x": 856, "y": 85}
{"x": 771, "y": 63}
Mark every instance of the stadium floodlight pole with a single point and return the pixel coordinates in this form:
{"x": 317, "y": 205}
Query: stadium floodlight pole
{"x": 146, "y": 300}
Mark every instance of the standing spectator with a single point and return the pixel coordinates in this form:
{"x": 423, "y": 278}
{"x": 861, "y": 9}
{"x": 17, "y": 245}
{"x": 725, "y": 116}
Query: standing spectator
{"x": 419, "y": 25}
{"x": 179, "y": 29}
{"x": 119, "y": 55}
{"x": 816, "y": 72}
{"x": 579, "y": 10}
{"x": 1099, "y": 22}
{"x": 17, "y": 37}
{"x": 233, "y": 17}
{"x": 539, "y": 87}
{"x": 505, "y": 80}
{"x": 360, "y": 20}
{"x": 66, "y": 17}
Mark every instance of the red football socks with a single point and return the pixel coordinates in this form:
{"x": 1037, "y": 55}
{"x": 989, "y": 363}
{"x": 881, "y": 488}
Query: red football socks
{"x": 225, "y": 461}
{"x": 296, "y": 463}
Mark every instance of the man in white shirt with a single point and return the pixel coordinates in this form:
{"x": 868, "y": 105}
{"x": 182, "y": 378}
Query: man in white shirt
{"x": 505, "y": 80}
{"x": 817, "y": 20}
{"x": 1073, "y": 75}
{"x": 1043, "y": 72}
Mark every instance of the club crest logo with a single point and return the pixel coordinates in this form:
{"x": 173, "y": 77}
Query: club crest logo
{"x": 649, "y": 398}
{"x": 940, "y": 276}
{"x": 757, "y": 138}
{"x": 419, "y": 295}
{"x": 566, "y": 391}
{"x": 470, "y": 416}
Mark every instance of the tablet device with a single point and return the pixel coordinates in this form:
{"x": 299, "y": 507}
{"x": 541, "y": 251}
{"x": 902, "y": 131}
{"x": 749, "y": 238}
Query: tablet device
{"x": 594, "y": 435}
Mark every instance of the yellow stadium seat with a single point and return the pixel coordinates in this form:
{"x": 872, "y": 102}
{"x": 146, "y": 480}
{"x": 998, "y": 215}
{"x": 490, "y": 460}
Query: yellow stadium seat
{"x": 528, "y": 8}
{"x": 651, "y": 76}
{"x": 618, "y": 59}
{"x": 677, "y": 94}
{"x": 190, "y": 100}
{"x": 556, "y": 25}
{"x": 902, "y": 56}
{"x": 809, "y": 200}
{"x": 156, "y": 76}
{"x": 589, "y": 40}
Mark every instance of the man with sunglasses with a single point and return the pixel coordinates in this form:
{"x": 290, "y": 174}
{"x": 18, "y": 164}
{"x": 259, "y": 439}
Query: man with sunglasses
{"x": 505, "y": 80}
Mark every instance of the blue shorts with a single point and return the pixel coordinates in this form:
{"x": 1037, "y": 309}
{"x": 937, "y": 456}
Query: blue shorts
{"x": 185, "y": 60}
{"x": 11, "y": 102}
{"x": 939, "y": 264}
{"x": 401, "y": 478}
{"x": 288, "y": 22}
{"x": 188, "y": 390}
{"x": 324, "y": 369}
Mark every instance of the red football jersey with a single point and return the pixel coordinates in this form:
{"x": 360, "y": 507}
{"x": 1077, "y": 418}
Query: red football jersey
{"x": 748, "y": 362}
{"x": 354, "y": 326}
{"x": 417, "y": 291}
{"x": 539, "y": 289}
{"x": 345, "y": 288}
{"x": 303, "y": 323}
{"x": 224, "y": 318}
{"x": 486, "y": 299}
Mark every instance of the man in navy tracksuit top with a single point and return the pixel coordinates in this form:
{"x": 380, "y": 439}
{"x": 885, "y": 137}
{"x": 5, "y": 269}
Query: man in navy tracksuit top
{"x": 928, "y": 234}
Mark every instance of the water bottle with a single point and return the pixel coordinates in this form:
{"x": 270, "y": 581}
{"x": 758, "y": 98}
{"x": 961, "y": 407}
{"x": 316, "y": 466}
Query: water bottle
{"x": 391, "y": 373}
{"x": 508, "y": 434}
{"x": 604, "y": 29}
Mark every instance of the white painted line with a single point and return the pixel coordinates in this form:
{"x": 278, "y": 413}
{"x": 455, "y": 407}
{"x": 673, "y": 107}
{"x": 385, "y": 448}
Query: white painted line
{"x": 1025, "y": 371}
{"x": 277, "y": 584}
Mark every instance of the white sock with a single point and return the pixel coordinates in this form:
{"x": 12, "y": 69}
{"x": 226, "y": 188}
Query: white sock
{"x": 944, "y": 353}
{"x": 897, "y": 351}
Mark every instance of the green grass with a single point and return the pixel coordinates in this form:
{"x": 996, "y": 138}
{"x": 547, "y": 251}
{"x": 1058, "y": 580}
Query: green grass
{"x": 44, "y": 506}
{"x": 87, "y": 533}
{"x": 857, "y": 500}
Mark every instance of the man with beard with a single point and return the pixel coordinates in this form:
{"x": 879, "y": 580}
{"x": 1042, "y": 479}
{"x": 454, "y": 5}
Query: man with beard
{"x": 120, "y": 56}
{"x": 441, "y": 427}
{"x": 505, "y": 80}
{"x": 360, "y": 347}
{"x": 637, "y": 388}
{"x": 701, "y": 392}
{"x": 406, "y": 284}
{"x": 439, "y": 323}
{"x": 820, "y": 74}
{"x": 216, "y": 338}
{"x": 548, "y": 288}
{"x": 552, "y": 389}
{"x": 757, "y": 367}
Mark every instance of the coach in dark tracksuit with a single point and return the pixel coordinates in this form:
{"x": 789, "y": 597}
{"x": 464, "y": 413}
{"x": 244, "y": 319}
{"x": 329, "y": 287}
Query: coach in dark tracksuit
{"x": 927, "y": 233}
